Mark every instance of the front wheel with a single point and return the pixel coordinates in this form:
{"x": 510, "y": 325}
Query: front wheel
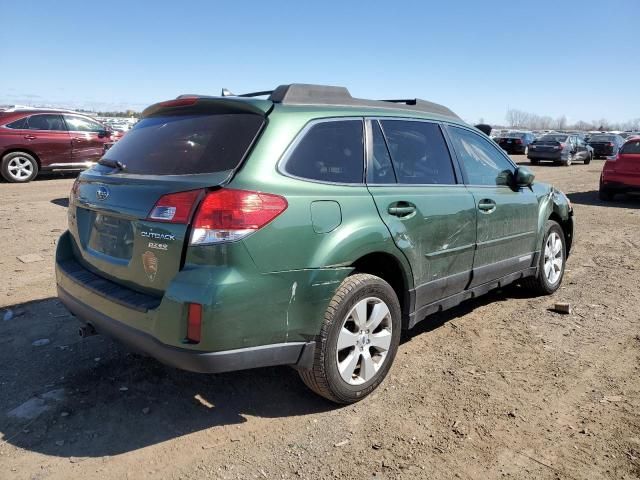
{"x": 358, "y": 340}
{"x": 587, "y": 160}
{"x": 552, "y": 261}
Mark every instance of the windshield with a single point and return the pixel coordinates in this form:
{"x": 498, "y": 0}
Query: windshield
{"x": 186, "y": 144}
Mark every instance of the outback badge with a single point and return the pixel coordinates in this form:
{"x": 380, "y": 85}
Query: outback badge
{"x": 150, "y": 264}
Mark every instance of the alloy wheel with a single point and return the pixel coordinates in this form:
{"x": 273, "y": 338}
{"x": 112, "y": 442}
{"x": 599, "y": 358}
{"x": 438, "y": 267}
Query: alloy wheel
{"x": 20, "y": 168}
{"x": 364, "y": 341}
{"x": 553, "y": 261}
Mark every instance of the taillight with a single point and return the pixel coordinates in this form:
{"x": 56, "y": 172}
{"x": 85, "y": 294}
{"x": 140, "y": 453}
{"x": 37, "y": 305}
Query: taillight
{"x": 194, "y": 322}
{"x": 610, "y": 144}
{"x": 559, "y": 147}
{"x": 518, "y": 141}
{"x": 226, "y": 215}
{"x": 175, "y": 207}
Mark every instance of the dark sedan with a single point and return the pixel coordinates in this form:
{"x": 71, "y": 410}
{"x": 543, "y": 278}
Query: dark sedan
{"x": 605, "y": 144}
{"x": 560, "y": 148}
{"x": 516, "y": 142}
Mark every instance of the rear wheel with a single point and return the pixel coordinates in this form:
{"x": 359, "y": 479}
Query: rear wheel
{"x": 587, "y": 160}
{"x": 534, "y": 161}
{"x": 18, "y": 167}
{"x": 551, "y": 263}
{"x": 358, "y": 340}
{"x": 568, "y": 161}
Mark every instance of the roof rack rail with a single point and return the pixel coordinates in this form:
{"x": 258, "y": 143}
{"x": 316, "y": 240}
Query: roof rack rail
{"x": 227, "y": 93}
{"x": 304, "y": 94}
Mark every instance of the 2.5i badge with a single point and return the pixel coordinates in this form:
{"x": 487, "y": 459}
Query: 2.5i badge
{"x": 150, "y": 264}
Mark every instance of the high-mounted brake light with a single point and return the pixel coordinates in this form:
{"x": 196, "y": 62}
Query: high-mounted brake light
{"x": 179, "y": 102}
{"x": 175, "y": 207}
{"x": 227, "y": 215}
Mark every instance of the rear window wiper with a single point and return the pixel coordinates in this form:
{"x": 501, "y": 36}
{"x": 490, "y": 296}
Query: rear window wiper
{"x": 112, "y": 163}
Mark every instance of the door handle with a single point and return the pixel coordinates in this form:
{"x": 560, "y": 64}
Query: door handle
{"x": 30, "y": 137}
{"x": 78, "y": 139}
{"x": 401, "y": 209}
{"x": 486, "y": 205}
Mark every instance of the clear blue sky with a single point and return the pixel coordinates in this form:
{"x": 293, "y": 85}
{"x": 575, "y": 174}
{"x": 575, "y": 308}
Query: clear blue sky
{"x": 578, "y": 58}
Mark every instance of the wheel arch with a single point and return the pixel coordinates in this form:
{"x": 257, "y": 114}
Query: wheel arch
{"x": 567, "y": 229}
{"x": 393, "y": 271}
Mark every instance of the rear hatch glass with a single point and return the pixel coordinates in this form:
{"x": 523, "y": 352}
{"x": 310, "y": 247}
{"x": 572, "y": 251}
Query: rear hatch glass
{"x": 629, "y": 158}
{"x": 161, "y": 155}
{"x": 186, "y": 144}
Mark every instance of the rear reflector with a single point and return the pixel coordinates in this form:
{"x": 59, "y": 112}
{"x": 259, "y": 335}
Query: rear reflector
{"x": 227, "y": 215}
{"x": 175, "y": 207}
{"x": 194, "y": 323}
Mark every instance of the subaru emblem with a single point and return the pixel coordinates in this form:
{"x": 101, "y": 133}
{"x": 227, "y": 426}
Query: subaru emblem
{"x": 102, "y": 193}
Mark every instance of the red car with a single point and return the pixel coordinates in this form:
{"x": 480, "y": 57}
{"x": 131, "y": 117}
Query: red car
{"x": 35, "y": 140}
{"x": 621, "y": 173}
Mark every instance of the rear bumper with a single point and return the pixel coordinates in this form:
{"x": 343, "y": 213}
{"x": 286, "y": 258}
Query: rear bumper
{"x": 536, "y": 155}
{"x": 299, "y": 354}
{"x": 513, "y": 148}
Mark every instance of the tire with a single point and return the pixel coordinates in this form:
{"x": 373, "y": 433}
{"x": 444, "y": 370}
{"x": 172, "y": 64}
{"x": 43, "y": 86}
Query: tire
{"x": 543, "y": 283}
{"x": 18, "y": 167}
{"x": 526, "y": 150}
{"x": 342, "y": 323}
{"x": 605, "y": 195}
{"x": 533, "y": 161}
{"x": 568, "y": 161}
{"x": 587, "y": 160}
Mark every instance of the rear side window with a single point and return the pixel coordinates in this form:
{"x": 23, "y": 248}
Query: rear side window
{"x": 21, "y": 124}
{"x": 329, "y": 151}
{"x": 631, "y": 147}
{"x": 418, "y": 152}
{"x": 186, "y": 144}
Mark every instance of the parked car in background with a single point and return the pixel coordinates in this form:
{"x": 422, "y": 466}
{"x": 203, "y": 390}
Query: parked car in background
{"x": 621, "y": 174}
{"x": 560, "y": 148}
{"x": 605, "y": 144}
{"x": 516, "y": 142}
{"x": 39, "y": 140}
{"x": 225, "y": 233}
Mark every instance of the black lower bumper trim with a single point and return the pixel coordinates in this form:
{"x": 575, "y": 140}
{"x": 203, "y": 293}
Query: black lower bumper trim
{"x": 290, "y": 353}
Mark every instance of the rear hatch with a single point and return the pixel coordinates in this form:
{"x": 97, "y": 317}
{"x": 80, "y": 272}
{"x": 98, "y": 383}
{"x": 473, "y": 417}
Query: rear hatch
{"x": 547, "y": 145}
{"x": 628, "y": 161}
{"x": 602, "y": 146}
{"x": 129, "y": 215}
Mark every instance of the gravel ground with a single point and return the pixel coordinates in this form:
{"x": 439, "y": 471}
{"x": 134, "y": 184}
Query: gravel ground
{"x": 499, "y": 387}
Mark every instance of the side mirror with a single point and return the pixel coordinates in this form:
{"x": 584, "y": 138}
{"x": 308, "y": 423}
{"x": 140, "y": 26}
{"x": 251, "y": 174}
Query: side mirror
{"x": 523, "y": 177}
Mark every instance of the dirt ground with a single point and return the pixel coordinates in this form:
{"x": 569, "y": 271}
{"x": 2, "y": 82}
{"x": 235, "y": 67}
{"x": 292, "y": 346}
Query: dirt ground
{"x": 498, "y": 387}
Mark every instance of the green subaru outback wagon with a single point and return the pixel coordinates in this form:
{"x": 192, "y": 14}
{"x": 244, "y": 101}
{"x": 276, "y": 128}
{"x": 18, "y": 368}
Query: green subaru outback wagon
{"x": 299, "y": 227}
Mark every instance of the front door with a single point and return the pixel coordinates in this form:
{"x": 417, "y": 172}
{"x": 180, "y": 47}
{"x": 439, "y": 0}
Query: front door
{"x": 430, "y": 214}
{"x": 507, "y": 216}
{"x": 87, "y": 137}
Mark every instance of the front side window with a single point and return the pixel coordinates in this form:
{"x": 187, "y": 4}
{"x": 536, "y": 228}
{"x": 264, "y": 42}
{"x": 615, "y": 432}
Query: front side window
{"x": 418, "y": 152}
{"x": 482, "y": 162}
{"x": 329, "y": 151}
{"x": 46, "y": 122}
{"x": 79, "y": 124}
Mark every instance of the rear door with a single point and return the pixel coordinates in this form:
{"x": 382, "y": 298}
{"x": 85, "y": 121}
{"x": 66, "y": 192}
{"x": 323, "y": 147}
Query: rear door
{"x": 430, "y": 214}
{"x": 163, "y": 155}
{"x": 507, "y": 218}
{"x": 46, "y": 135}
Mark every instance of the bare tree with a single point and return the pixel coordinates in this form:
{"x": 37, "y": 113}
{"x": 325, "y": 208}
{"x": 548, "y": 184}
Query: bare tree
{"x": 561, "y": 122}
{"x": 516, "y": 118}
